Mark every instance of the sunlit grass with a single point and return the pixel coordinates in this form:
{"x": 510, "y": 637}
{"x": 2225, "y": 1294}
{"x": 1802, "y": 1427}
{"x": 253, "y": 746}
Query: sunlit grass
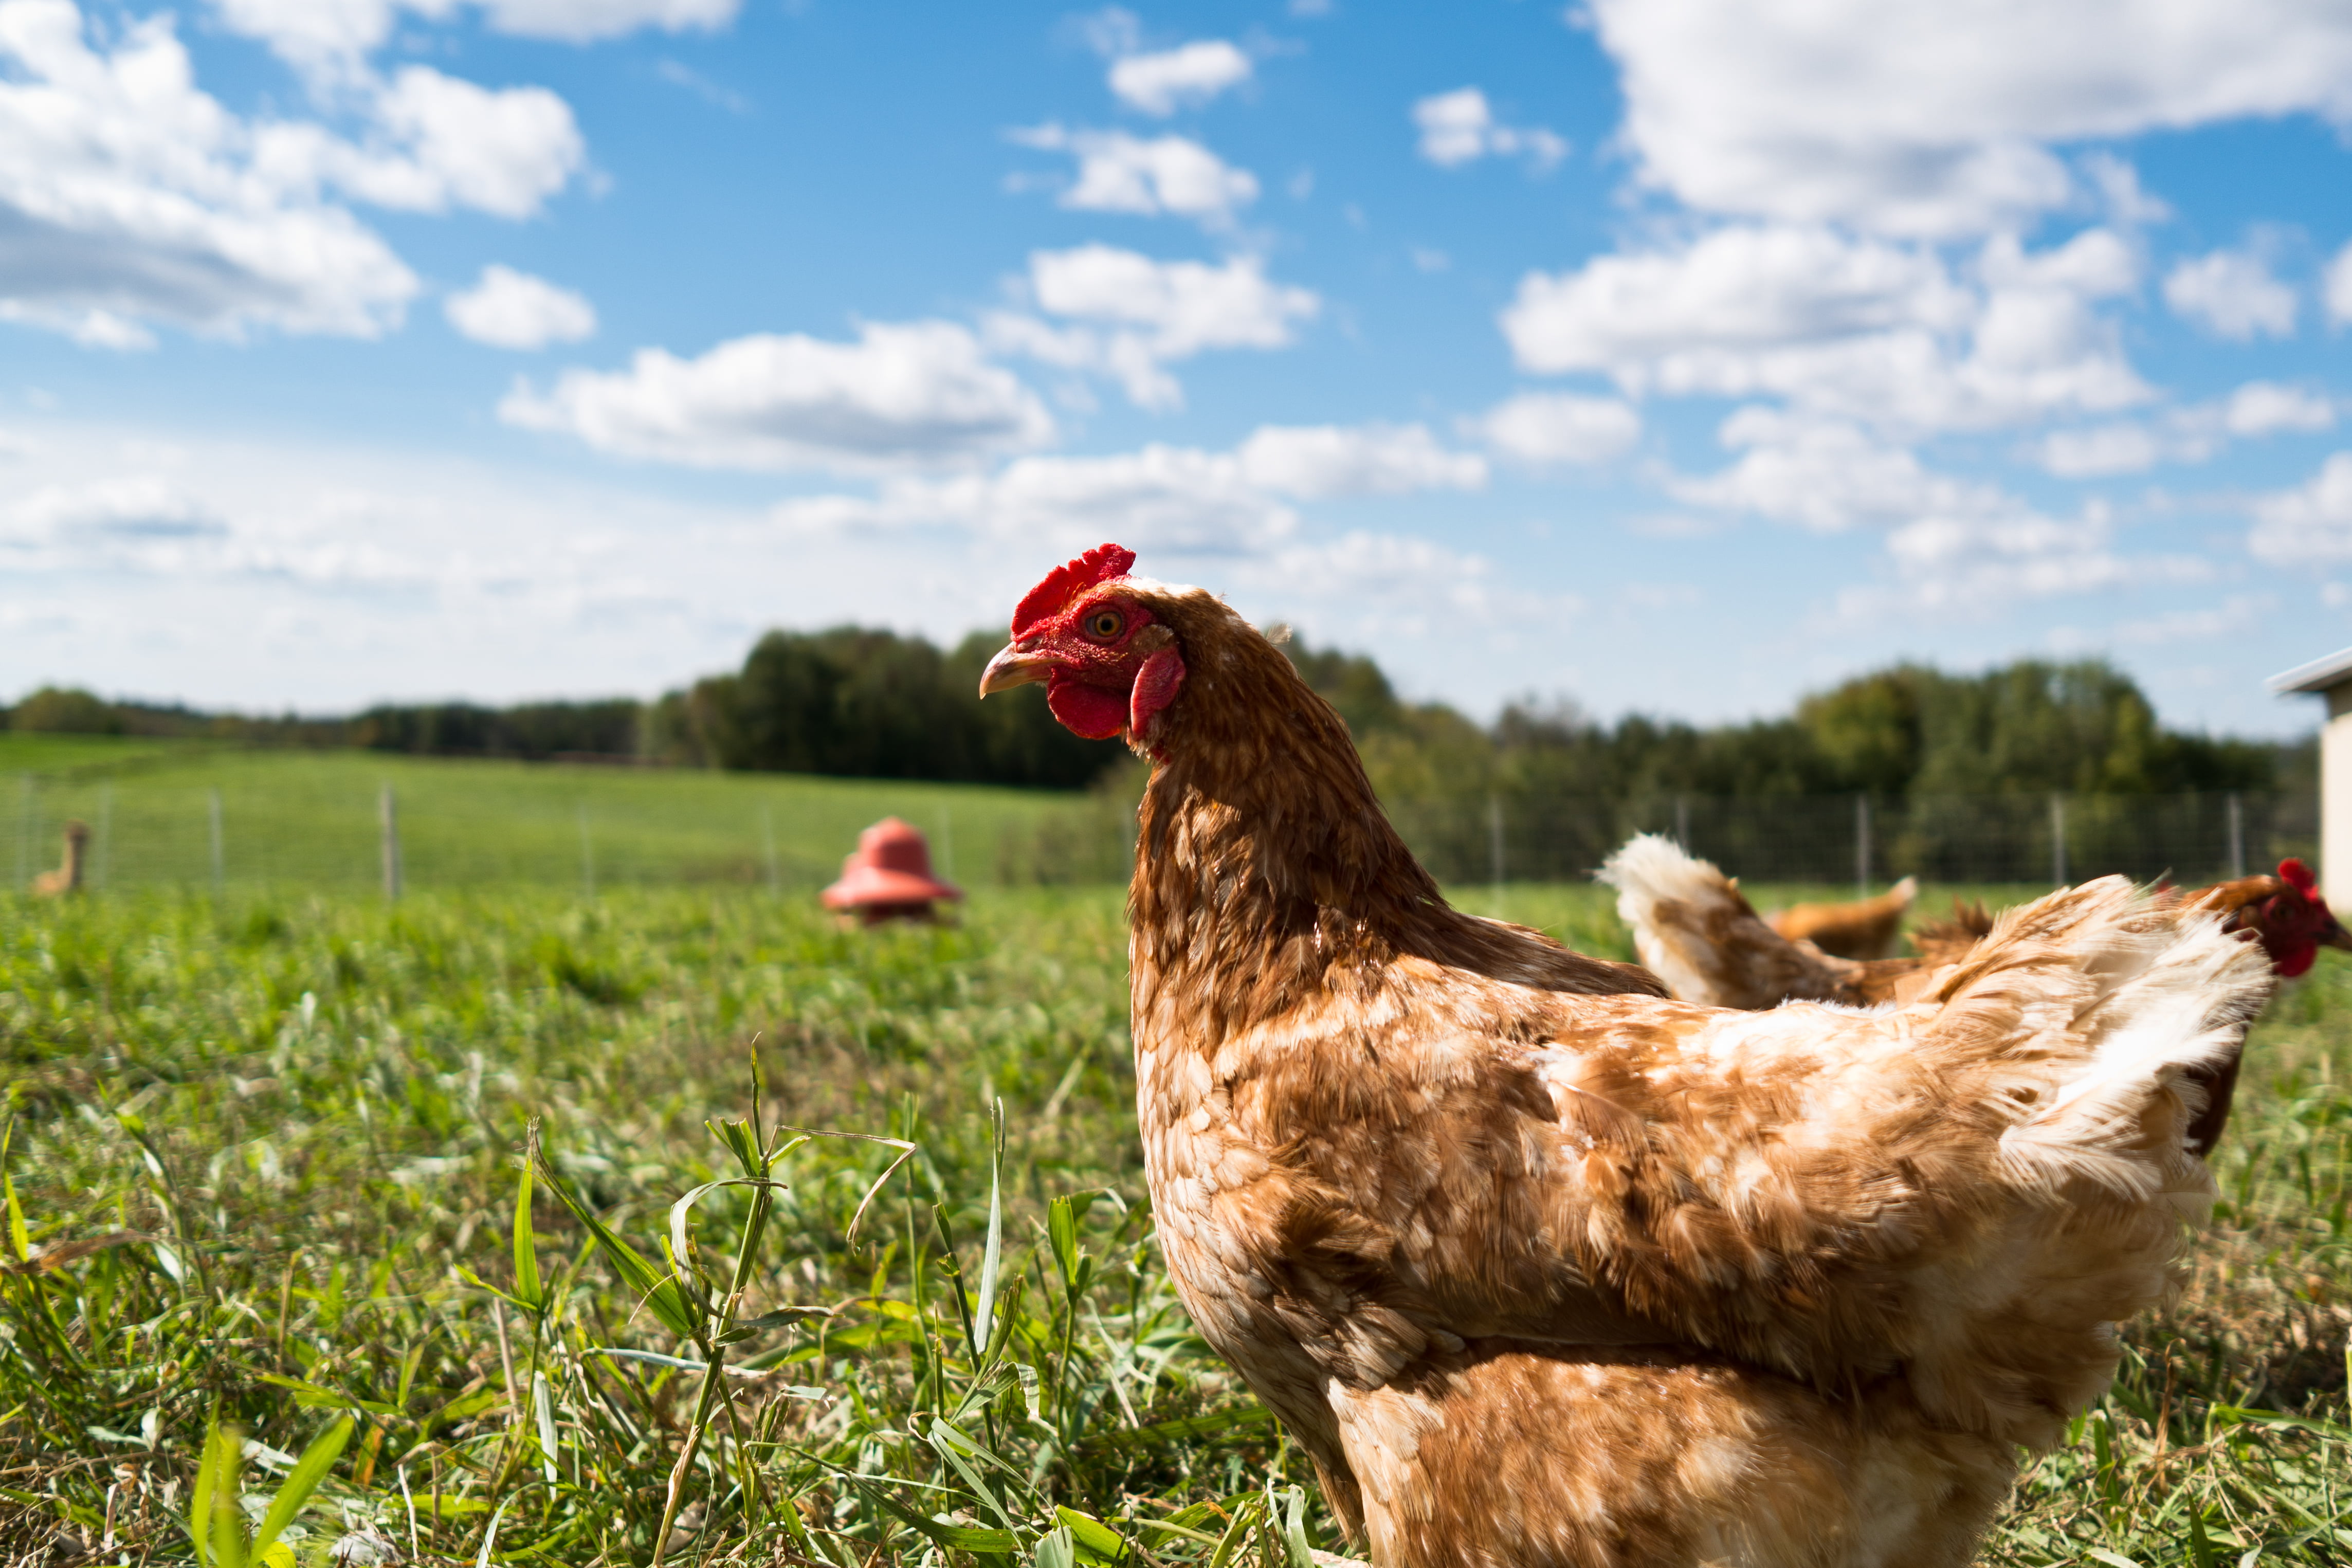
{"x": 265, "y": 1158}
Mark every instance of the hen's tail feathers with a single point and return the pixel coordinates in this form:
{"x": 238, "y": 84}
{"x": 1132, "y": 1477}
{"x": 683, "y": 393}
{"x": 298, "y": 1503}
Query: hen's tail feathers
{"x": 1696, "y": 931}
{"x": 2116, "y": 1011}
{"x": 2075, "y": 1039}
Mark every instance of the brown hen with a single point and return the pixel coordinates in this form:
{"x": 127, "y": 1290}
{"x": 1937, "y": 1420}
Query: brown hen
{"x": 1694, "y": 927}
{"x": 1542, "y": 1269}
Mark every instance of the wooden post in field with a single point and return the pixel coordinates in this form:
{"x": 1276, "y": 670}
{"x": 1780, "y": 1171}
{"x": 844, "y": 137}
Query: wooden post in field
{"x": 26, "y": 825}
{"x": 220, "y": 860}
{"x": 2237, "y": 837}
{"x": 389, "y": 812}
{"x": 1862, "y": 846}
{"x": 2057, "y": 840}
{"x": 768, "y": 847}
{"x": 1494, "y": 844}
{"x": 587, "y": 855}
{"x": 105, "y": 856}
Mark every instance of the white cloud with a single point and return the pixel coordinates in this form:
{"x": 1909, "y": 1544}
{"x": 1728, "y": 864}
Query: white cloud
{"x": 2236, "y": 613}
{"x": 1138, "y": 314}
{"x": 511, "y": 310}
{"x": 1829, "y": 476}
{"x": 1460, "y": 126}
{"x": 2188, "y": 435}
{"x": 1164, "y": 175}
{"x": 2101, "y": 450}
{"x": 1546, "y": 428}
{"x": 2338, "y": 288}
{"x": 2232, "y": 294}
{"x": 140, "y": 507}
{"x": 1858, "y": 328}
{"x": 2265, "y": 407}
{"x": 1919, "y": 117}
{"x": 1160, "y": 497}
{"x": 2309, "y": 523}
{"x": 1181, "y": 77}
{"x": 904, "y": 396}
{"x": 328, "y": 39}
{"x": 1953, "y": 546}
{"x": 1673, "y": 314}
{"x": 584, "y": 21}
{"x": 129, "y": 195}
{"x": 1986, "y": 561}
{"x": 439, "y": 143}
{"x": 1315, "y": 462}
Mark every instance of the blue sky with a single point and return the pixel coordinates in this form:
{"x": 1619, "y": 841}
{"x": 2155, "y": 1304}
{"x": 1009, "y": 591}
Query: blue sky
{"x": 1672, "y": 355}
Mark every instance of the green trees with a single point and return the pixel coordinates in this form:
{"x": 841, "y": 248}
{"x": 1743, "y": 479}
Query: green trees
{"x": 872, "y": 704}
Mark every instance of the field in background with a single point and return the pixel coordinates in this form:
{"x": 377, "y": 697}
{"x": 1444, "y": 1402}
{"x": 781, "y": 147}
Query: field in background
{"x": 266, "y": 1151}
{"x": 199, "y": 815}
{"x": 192, "y": 815}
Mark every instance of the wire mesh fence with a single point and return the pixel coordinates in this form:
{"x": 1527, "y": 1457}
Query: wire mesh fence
{"x": 335, "y": 831}
{"x": 2020, "y": 838}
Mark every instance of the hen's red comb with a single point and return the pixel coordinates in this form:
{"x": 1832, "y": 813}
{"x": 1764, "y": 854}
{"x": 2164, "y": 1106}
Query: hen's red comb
{"x": 2297, "y": 875}
{"x": 1066, "y": 582}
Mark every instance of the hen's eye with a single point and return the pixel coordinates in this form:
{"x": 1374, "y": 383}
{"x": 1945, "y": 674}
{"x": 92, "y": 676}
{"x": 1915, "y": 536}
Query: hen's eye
{"x": 1104, "y": 625}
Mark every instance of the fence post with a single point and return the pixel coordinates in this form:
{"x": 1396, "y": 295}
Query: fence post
{"x": 1682, "y": 822}
{"x": 768, "y": 847}
{"x": 1862, "y": 844}
{"x": 105, "y": 832}
{"x": 2057, "y": 839}
{"x": 220, "y": 860}
{"x": 390, "y": 813}
{"x": 25, "y": 828}
{"x": 2237, "y": 837}
{"x": 1494, "y": 844}
{"x": 587, "y": 855}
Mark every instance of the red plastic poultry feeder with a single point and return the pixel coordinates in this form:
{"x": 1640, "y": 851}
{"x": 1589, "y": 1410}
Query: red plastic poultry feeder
{"x": 888, "y": 876}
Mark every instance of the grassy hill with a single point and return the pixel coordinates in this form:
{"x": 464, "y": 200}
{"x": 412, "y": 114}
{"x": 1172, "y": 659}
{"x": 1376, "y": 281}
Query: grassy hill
{"x": 313, "y": 819}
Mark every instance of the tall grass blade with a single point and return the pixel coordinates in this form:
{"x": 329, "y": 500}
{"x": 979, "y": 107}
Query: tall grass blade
{"x": 542, "y": 1405}
{"x": 300, "y": 1482}
{"x": 490, "y": 1536}
{"x": 1057, "y": 1549}
{"x": 992, "y": 1257}
{"x": 224, "y": 1521}
{"x": 656, "y": 1290}
{"x": 526, "y": 1255}
{"x": 200, "y": 1501}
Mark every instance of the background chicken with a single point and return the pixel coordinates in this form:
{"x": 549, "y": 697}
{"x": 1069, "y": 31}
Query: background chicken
{"x": 1541, "y": 1268}
{"x": 1865, "y": 928}
{"x": 1694, "y": 929}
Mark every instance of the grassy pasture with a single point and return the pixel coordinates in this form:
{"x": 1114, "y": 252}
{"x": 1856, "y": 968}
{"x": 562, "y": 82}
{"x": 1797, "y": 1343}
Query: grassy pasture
{"x": 263, "y": 1154}
{"x": 290, "y": 819}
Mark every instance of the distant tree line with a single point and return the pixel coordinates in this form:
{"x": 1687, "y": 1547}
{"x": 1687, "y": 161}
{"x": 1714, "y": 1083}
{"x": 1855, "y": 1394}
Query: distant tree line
{"x": 2030, "y": 727}
{"x": 874, "y": 704}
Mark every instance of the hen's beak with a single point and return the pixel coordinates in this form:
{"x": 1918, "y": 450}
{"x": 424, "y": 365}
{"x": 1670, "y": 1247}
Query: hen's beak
{"x": 1014, "y": 666}
{"x": 2335, "y": 936}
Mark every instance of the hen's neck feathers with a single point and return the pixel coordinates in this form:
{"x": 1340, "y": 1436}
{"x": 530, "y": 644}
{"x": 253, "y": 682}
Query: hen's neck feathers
{"x": 1267, "y": 874}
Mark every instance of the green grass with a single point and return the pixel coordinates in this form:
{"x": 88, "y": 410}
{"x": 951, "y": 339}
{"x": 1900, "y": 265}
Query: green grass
{"x": 312, "y": 820}
{"x": 267, "y": 1153}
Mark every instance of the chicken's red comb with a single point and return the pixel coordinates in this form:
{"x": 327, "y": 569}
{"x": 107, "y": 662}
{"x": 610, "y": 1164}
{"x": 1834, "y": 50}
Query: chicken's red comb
{"x": 1066, "y": 582}
{"x": 2297, "y": 875}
